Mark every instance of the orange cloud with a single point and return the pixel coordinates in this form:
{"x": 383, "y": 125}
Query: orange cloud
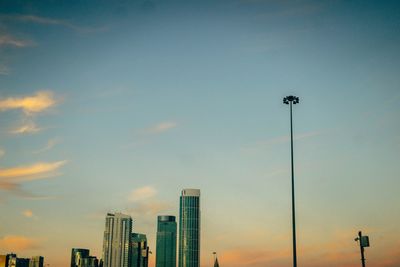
{"x": 39, "y": 102}
{"x": 32, "y": 172}
{"x": 27, "y": 213}
{"x": 18, "y": 243}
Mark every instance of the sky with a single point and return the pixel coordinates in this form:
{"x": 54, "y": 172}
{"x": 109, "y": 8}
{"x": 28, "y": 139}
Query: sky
{"x": 117, "y": 106}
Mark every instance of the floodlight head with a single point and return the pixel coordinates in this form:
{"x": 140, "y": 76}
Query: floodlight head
{"x": 290, "y": 98}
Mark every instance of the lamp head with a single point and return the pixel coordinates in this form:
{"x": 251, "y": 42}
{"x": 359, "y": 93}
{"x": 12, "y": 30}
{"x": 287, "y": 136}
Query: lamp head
{"x": 290, "y": 98}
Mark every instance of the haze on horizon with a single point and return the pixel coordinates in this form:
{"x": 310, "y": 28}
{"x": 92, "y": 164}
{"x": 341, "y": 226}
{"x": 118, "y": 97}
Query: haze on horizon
{"x": 118, "y": 106}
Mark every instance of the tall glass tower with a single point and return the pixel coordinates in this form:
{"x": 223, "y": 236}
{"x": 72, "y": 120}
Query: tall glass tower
{"x": 77, "y": 254}
{"x": 166, "y": 241}
{"x": 117, "y": 237}
{"x": 189, "y": 228}
{"x": 139, "y": 250}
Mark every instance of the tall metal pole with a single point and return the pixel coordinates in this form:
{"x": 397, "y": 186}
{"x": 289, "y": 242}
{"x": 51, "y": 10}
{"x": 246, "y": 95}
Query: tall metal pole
{"x": 293, "y": 206}
{"x": 362, "y": 249}
{"x": 290, "y": 100}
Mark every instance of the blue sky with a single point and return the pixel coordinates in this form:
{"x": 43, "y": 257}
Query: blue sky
{"x": 117, "y": 107}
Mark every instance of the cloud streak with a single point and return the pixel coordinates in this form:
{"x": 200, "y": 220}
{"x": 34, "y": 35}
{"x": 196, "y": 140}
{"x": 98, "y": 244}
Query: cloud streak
{"x": 142, "y": 193}
{"x": 12, "y": 41}
{"x": 50, "y": 144}
{"x": 160, "y": 127}
{"x": 27, "y": 127}
{"x": 51, "y": 21}
{"x": 12, "y": 178}
{"x": 39, "y": 102}
{"x": 32, "y": 172}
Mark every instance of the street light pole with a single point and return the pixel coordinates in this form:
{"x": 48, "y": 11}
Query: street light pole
{"x": 290, "y": 100}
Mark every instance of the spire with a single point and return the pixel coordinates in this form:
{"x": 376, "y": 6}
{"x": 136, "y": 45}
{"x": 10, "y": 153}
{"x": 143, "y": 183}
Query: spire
{"x": 216, "y": 262}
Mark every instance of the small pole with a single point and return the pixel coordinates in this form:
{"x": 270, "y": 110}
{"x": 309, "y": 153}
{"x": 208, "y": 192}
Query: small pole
{"x": 361, "y": 249}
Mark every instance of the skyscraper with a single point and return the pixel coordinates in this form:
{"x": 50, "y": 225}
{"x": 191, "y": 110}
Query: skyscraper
{"x": 117, "y": 237}
{"x": 90, "y": 261}
{"x": 139, "y": 250}
{"x": 166, "y": 242}
{"x": 77, "y": 254}
{"x": 36, "y": 261}
{"x": 189, "y": 228}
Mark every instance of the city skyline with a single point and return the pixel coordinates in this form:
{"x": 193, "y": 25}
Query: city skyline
{"x": 117, "y": 106}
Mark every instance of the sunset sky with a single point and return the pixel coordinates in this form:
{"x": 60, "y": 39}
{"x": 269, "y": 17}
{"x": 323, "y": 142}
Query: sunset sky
{"x": 116, "y": 106}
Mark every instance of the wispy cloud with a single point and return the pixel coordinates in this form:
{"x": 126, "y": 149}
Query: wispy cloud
{"x": 149, "y": 209}
{"x": 18, "y": 243}
{"x": 12, "y": 41}
{"x": 12, "y": 178}
{"x": 142, "y": 193}
{"x": 2, "y": 152}
{"x": 51, "y": 21}
{"x": 28, "y": 127}
{"x": 27, "y": 213}
{"x": 144, "y": 204}
{"x": 32, "y": 172}
{"x": 39, "y": 102}
{"x": 50, "y": 144}
{"x": 160, "y": 127}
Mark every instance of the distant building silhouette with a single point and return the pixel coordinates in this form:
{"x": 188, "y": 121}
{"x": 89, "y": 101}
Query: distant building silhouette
{"x": 139, "y": 250}
{"x": 77, "y": 254}
{"x": 22, "y": 262}
{"x": 189, "y": 228}
{"x": 117, "y": 237}
{"x": 12, "y": 260}
{"x": 166, "y": 242}
{"x": 36, "y": 261}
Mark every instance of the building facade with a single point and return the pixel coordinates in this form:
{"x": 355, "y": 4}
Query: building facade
{"x": 22, "y": 262}
{"x": 189, "y": 228}
{"x": 166, "y": 241}
{"x": 139, "y": 250}
{"x": 36, "y": 261}
{"x": 12, "y": 260}
{"x": 89, "y": 261}
{"x": 77, "y": 254}
{"x": 116, "y": 242}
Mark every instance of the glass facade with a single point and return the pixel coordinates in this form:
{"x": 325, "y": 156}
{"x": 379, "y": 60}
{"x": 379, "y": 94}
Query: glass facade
{"x": 117, "y": 237}
{"x": 36, "y": 261}
{"x": 77, "y": 254}
{"x": 139, "y": 250}
{"x": 189, "y": 228}
{"x": 166, "y": 242}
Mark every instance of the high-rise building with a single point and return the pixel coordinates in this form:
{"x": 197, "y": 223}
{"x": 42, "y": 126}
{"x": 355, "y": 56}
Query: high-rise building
{"x": 89, "y": 261}
{"x": 139, "y": 250}
{"x": 166, "y": 241}
{"x": 22, "y": 262}
{"x": 77, "y": 254}
{"x": 12, "y": 260}
{"x": 117, "y": 237}
{"x": 189, "y": 228}
{"x": 36, "y": 261}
